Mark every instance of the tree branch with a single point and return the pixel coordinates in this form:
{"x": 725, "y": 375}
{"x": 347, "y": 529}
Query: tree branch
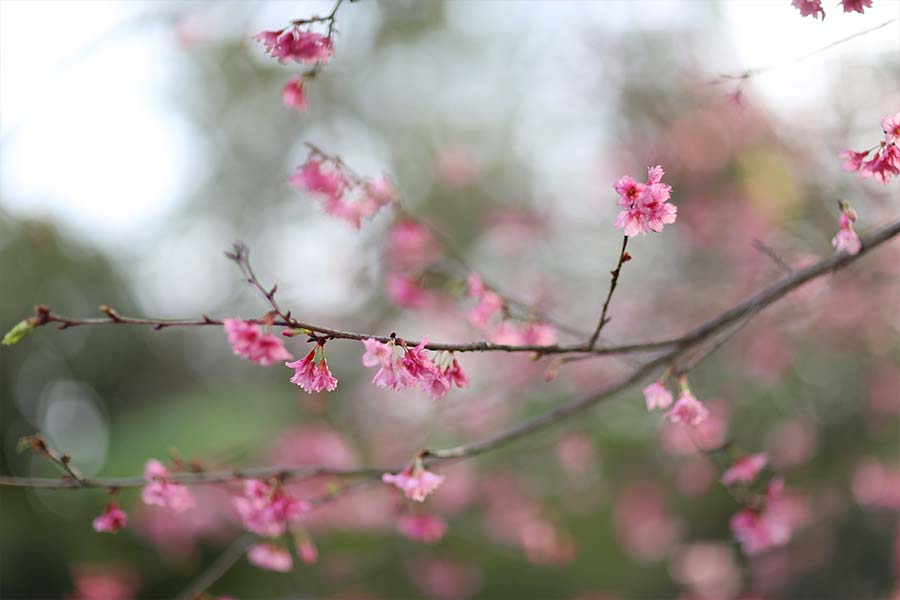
{"x": 623, "y": 258}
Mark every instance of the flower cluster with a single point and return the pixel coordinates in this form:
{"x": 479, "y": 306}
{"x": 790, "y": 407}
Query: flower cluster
{"x": 112, "y": 519}
{"x": 294, "y": 45}
{"x": 885, "y": 160}
{"x": 160, "y": 491}
{"x": 687, "y": 410}
{"x": 311, "y": 375}
{"x": 414, "y": 481}
{"x": 846, "y": 239}
{"x": 252, "y": 342}
{"x": 645, "y": 206}
{"x": 759, "y": 529}
{"x": 343, "y": 195}
{"x": 266, "y": 509}
{"x": 813, "y": 8}
{"x": 401, "y": 367}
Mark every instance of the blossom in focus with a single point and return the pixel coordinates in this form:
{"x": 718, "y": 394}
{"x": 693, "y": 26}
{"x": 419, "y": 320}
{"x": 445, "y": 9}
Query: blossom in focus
{"x": 112, "y": 519}
{"x": 414, "y": 481}
{"x": 809, "y": 8}
{"x": 645, "y": 206}
{"x": 402, "y": 367}
{"x": 657, "y": 396}
{"x": 295, "y": 45}
{"x": 687, "y": 410}
{"x": 267, "y": 510}
{"x": 271, "y": 557}
{"x": 745, "y": 469}
{"x": 313, "y": 376}
{"x": 885, "y": 156}
{"x": 250, "y": 341}
{"x": 294, "y": 96}
{"x": 422, "y": 528}
{"x": 856, "y": 5}
{"x": 159, "y": 491}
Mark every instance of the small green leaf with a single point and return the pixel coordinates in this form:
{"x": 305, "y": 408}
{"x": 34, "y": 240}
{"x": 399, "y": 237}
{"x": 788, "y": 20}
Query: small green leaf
{"x": 15, "y": 334}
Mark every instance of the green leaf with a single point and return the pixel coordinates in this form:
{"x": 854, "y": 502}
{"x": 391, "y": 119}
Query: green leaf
{"x": 15, "y": 334}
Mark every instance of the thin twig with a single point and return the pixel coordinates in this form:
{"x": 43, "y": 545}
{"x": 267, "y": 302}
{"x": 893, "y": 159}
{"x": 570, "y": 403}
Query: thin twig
{"x": 623, "y": 258}
{"x": 770, "y": 252}
{"x": 218, "y": 568}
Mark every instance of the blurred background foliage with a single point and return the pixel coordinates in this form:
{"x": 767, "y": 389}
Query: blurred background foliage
{"x": 507, "y": 134}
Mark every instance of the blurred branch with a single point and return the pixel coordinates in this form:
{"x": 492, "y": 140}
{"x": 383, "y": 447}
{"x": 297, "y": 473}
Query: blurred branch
{"x": 770, "y": 252}
{"x": 218, "y": 568}
{"x": 623, "y": 258}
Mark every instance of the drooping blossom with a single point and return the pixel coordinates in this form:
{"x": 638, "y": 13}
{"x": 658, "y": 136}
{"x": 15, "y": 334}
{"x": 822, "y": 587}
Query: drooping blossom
{"x": 415, "y": 481}
{"x": 294, "y": 96}
{"x": 313, "y": 376}
{"x": 687, "y": 410}
{"x": 657, "y": 396}
{"x": 160, "y": 491}
{"x": 307, "y": 551}
{"x": 745, "y": 469}
{"x": 809, "y": 8}
{"x": 311, "y": 177}
{"x": 401, "y": 367}
{"x": 846, "y": 239}
{"x": 306, "y": 47}
{"x": 759, "y": 529}
{"x": 270, "y": 556}
{"x": 885, "y": 156}
{"x": 856, "y": 5}
{"x": 645, "y": 206}
{"x": 250, "y": 341}
{"x": 268, "y": 510}
{"x": 112, "y": 519}
{"x": 422, "y": 528}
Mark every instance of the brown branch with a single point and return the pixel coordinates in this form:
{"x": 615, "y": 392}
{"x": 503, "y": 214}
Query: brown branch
{"x": 623, "y": 258}
{"x": 218, "y": 568}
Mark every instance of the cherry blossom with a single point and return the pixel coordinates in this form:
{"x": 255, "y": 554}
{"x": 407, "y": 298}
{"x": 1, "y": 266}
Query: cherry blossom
{"x": 271, "y": 557}
{"x": 422, "y": 528}
{"x": 745, "y": 469}
{"x": 313, "y": 376}
{"x": 268, "y": 510}
{"x": 846, "y": 239}
{"x": 294, "y": 96}
{"x": 295, "y": 45}
{"x": 401, "y": 367}
{"x": 657, "y": 396}
{"x": 307, "y": 551}
{"x": 415, "y": 481}
{"x": 885, "y": 156}
{"x": 856, "y": 5}
{"x": 759, "y": 529}
{"x": 687, "y": 410}
{"x": 810, "y": 8}
{"x": 159, "y": 491}
{"x": 891, "y": 123}
{"x": 112, "y": 519}
{"x": 645, "y": 207}
{"x": 250, "y": 341}
{"x": 311, "y": 177}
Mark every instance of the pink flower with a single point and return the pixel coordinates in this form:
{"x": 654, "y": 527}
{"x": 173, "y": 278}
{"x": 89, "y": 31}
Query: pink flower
{"x": 250, "y": 341}
{"x": 422, "y": 528}
{"x": 489, "y": 303}
{"x": 159, "y": 491}
{"x": 415, "y": 481}
{"x": 809, "y": 8}
{"x": 846, "y": 240}
{"x": 475, "y": 286}
{"x": 271, "y": 557}
{"x": 687, "y": 410}
{"x": 299, "y": 46}
{"x": 417, "y": 362}
{"x": 307, "y": 551}
{"x": 856, "y": 5}
{"x": 294, "y": 96}
{"x": 377, "y": 353}
{"x": 854, "y": 159}
{"x": 657, "y": 396}
{"x": 311, "y": 177}
{"x": 890, "y": 124}
{"x": 758, "y": 531}
{"x": 456, "y": 374}
{"x": 381, "y": 190}
{"x": 745, "y": 469}
{"x": 267, "y": 510}
{"x": 112, "y": 519}
{"x": 645, "y": 207}
{"x": 406, "y": 292}
{"x": 313, "y": 376}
